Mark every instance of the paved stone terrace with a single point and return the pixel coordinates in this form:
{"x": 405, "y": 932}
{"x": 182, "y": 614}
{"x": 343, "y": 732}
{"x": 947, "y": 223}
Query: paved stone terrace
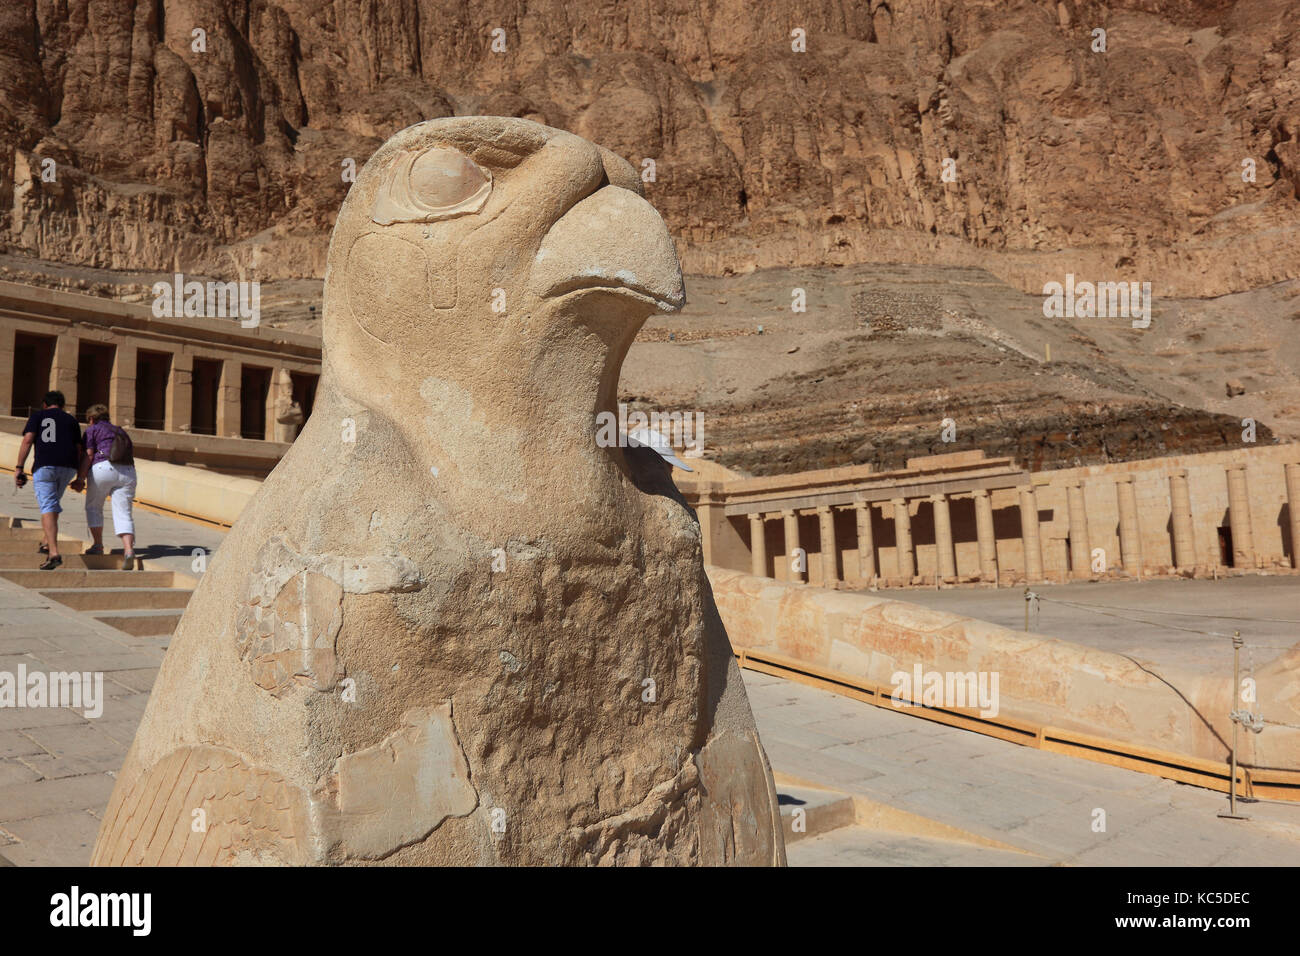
{"x": 1265, "y": 608}
{"x": 57, "y": 766}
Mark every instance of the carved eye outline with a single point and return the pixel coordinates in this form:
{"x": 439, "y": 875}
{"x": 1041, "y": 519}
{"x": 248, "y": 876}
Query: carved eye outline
{"x": 411, "y": 192}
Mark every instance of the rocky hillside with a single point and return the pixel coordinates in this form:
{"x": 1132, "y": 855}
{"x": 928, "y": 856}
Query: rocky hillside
{"x": 893, "y": 362}
{"x": 1121, "y": 164}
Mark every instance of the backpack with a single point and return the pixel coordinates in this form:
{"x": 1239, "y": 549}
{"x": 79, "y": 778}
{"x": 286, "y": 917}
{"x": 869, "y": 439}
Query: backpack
{"x": 122, "y": 451}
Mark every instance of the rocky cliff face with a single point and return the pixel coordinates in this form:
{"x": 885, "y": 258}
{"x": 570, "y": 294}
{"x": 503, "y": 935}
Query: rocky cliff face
{"x": 888, "y": 357}
{"x": 229, "y": 159}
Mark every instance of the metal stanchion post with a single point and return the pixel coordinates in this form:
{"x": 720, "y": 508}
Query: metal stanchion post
{"x": 1236, "y": 718}
{"x": 1029, "y": 596}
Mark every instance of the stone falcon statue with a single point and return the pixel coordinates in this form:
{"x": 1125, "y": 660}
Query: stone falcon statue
{"x": 451, "y": 628}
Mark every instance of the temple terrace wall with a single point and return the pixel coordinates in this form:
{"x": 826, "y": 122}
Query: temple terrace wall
{"x": 964, "y": 518}
{"x": 867, "y": 639}
{"x": 192, "y": 390}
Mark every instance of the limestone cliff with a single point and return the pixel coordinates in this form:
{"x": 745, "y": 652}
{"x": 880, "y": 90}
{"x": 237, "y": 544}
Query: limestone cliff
{"x": 230, "y": 158}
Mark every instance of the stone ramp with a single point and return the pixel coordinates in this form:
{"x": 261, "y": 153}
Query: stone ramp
{"x": 877, "y": 788}
{"x": 1050, "y": 694}
{"x": 930, "y": 794}
{"x": 146, "y": 602}
{"x": 1170, "y": 625}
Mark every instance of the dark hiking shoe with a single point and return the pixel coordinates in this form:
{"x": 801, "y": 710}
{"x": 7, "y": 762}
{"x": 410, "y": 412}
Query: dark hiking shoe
{"x": 52, "y": 563}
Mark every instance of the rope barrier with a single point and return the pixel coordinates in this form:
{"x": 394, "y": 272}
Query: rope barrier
{"x": 1097, "y": 609}
{"x": 1106, "y": 610}
{"x": 1220, "y": 617}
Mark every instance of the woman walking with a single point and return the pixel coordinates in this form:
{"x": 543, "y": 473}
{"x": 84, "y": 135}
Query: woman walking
{"x": 109, "y": 465}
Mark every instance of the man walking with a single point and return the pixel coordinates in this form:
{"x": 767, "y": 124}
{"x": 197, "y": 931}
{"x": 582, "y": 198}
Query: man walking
{"x": 57, "y": 438}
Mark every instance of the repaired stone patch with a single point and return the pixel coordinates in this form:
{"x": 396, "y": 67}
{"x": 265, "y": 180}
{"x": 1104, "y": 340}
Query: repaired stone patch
{"x": 402, "y": 789}
{"x": 289, "y": 625}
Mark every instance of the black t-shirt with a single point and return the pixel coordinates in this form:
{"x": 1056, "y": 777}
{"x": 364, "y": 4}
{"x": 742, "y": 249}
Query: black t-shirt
{"x": 56, "y": 437}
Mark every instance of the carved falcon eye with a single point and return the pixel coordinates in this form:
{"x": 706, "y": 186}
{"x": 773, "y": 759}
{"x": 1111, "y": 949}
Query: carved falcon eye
{"x": 438, "y": 183}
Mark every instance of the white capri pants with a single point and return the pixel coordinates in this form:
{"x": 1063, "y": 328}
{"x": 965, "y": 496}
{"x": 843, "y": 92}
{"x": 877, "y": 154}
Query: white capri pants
{"x": 107, "y": 479}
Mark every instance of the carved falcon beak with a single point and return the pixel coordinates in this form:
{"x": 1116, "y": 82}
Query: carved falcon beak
{"x": 613, "y": 240}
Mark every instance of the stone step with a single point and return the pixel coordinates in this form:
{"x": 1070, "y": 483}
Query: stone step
{"x": 866, "y": 846}
{"x": 28, "y": 560}
{"x": 31, "y": 532}
{"x": 74, "y": 578}
{"x": 850, "y": 829}
{"x": 107, "y": 599}
{"x": 809, "y": 811}
{"x": 140, "y": 622}
{"x": 29, "y": 545}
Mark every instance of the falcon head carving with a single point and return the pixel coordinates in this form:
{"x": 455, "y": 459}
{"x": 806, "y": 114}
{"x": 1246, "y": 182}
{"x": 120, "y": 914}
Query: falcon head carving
{"x": 498, "y": 254}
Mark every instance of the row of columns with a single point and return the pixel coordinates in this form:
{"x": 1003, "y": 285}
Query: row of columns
{"x": 1180, "y": 508}
{"x": 1180, "y": 517}
{"x": 178, "y": 412}
{"x": 867, "y": 570}
{"x": 1185, "y": 554}
{"x": 178, "y": 403}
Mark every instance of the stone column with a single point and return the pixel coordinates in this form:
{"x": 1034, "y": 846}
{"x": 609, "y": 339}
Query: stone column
{"x": 278, "y": 397}
{"x": 1130, "y": 531}
{"x": 180, "y": 393}
{"x": 63, "y": 370}
{"x": 1029, "y": 535}
{"x": 1080, "y": 546}
{"x": 707, "y": 507}
{"x": 792, "y": 543}
{"x": 1180, "y": 503}
{"x": 721, "y": 541}
{"x": 1293, "y": 506}
{"x": 903, "y": 540}
{"x": 6, "y": 369}
{"x": 228, "y": 399}
{"x": 757, "y": 545}
{"x": 867, "y": 544}
{"x": 830, "y": 564}
{"x": 121, "y": 385}
{"x": 946, "y": 559}
{"x": 988, "y": 542}
{"x": 1243, "y": 536}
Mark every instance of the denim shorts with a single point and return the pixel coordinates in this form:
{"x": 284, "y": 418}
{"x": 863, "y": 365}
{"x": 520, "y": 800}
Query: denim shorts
{"x": 50, "y": 481}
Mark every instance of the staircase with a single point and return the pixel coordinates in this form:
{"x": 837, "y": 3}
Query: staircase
{"x": 142, "y": 602}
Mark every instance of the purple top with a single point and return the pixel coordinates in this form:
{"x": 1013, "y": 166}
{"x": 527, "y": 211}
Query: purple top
{"x": 99, "y": 440}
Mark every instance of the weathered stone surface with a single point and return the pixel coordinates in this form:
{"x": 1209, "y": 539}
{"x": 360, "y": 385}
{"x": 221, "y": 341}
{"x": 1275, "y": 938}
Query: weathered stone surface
{"x": 1129, "y": 160}
{"x": 450, "y": 628}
